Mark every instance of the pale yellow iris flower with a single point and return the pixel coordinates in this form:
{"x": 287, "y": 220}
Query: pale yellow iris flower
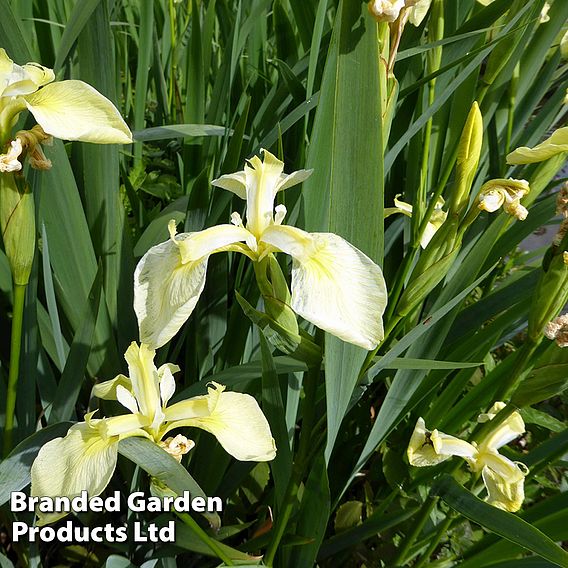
{"x": 435, "y": 222}
{"x": 70, "y": 110}
{"x": 334, "y": 285}
{"x": 506, "y": 193}
{"x": 85, "y": 458}
{"x": 503, "y": 478}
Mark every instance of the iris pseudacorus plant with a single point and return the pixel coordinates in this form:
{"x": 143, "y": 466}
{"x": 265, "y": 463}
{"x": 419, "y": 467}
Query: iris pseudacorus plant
{"x": 85, "y": 458}
{"x": 503, "y": 478}
{"x": 334, "y": 285}
{"x": 71, "y": 110}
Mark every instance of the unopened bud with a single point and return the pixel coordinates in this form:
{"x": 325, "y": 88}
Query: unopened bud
{"x": 469, "y": 151}
{"x": 17, "y": 222}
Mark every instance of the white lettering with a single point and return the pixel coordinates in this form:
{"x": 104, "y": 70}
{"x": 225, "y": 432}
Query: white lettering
{"x": 136, "y": 503}
{"x": 18, "y": 501}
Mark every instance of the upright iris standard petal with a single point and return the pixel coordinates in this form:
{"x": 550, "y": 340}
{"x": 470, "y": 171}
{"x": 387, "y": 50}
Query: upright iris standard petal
{"x": 73, "y": 110}
{"x": 235, "y": 419}
{"x": 107, "y": 389}
{"x": 144, "y": 378}
{"x": 334, "y": 285}
{"x": 170, "y": 278}
{"x": 555, "y": 144}
{"x": 506, "y": 432}
{"x": 259, "y": 183}
{"x": 262, "y": 178}
{"x": 235, "y": 183}
{"x": 82, "y": 460}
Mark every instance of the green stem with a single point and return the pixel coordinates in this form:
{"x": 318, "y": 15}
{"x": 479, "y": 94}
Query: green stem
{"x": 511, "y": 383}
{"x": 392, "y": 323}
{"x": 15, "y": 349}
{"x": 423, "y": 516}
{"x": 442, "y": 530}
{"x": 204, "y": 537}
{"x": 445, "y": 176}
{"x": 401, "y": 276}
{"x": 308, "y": 419}
{"x": 422, "y": 197}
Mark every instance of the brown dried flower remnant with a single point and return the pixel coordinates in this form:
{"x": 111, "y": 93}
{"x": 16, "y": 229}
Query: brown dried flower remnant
{"x": 31, "y": 141}
{"x": 557, "y": 329}
{"x": 562, "y": 201}
{"x": 177, "y": 446}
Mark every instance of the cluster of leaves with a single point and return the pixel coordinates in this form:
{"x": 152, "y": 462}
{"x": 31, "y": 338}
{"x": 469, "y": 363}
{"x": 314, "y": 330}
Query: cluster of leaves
{"x": 204, "y": 85}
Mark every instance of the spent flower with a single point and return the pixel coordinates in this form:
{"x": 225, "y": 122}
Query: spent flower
{"x": 557, "y": 330}
{"x": 85, "y": 458}
{"x": 9, "y": 161}
{"x": 334, "y": 285}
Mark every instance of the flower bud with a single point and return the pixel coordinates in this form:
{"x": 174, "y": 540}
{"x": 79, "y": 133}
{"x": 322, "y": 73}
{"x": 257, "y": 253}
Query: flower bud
{"x": 17, "y": 222}
{"x": 469, "y": 151}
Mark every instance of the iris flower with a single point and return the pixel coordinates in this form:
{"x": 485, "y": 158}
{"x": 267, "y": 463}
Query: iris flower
{"x": 506, "y": 193}
{"x": 85, "y": 458}
{"x": 503, "y": 478}
{"x": 334, "y": 285}
{"x": 436, "y": 220}
{"x": 71, "y": 110}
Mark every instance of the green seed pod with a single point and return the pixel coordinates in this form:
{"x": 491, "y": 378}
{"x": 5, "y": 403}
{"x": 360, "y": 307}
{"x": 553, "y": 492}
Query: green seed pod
{"x": 17, "y": 222}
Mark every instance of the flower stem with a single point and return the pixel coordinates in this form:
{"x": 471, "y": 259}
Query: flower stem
{"x": 442, "y": 530}
{"x": 308, "y": 419}
{"x": 511, "y": 383}
{"x": 15, "y": 349}
{"x": 204, "y": 537}
{"x": 423, "y": 516}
